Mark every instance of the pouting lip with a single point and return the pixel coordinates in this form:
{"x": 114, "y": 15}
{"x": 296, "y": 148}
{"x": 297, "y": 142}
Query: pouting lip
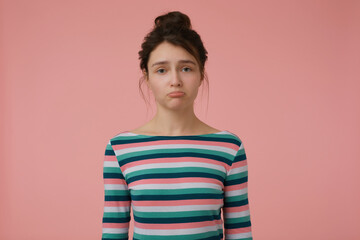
{"x": 176, "y": 92}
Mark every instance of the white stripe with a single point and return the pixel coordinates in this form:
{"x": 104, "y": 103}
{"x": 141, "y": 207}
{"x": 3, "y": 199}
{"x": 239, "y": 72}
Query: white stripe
{"x": 134, "y": 134}
{"x": 177, "y": 186}
{"x": 238, "y": 236}
{"x": 184, "y": 231}
{"x": 237, "y": 192}
{"x": 124, "y": 134}
{"x": 111, "y": 164}
{"x": 174, "y": 146}
{"x": 117, "y": 209}
{"x": 237, "y": 214}
{"x": 241, "y": 147}
{"x": 238, "y": 170}
{"x": 174, "y": 165}
{"x": 175, "y": 208}
{"x": 115, "y": 230}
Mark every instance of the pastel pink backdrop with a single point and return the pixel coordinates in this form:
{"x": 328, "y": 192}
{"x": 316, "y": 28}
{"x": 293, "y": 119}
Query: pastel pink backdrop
{"x": 284, "y": 76}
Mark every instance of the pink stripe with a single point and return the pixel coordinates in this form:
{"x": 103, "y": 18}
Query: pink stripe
{"x": 178, "y": 202}
{"x": 178, "y": 225}
{"x": 110, "y": 158}
{"x": 238, "y": 230}
{"x": 236, "y": 187}
{"x": 236, "y": 209}
{"x": 166, "y": 142}
{"x": 114, "y": 181}
{"x": 239, "y": 164}
{"x": 173, "y": 160}
{"x": 117, "y": 204}
{"x": 176, "y": 180}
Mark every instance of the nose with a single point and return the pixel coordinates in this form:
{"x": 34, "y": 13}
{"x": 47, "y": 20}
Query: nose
{"x": 176, "y": 79}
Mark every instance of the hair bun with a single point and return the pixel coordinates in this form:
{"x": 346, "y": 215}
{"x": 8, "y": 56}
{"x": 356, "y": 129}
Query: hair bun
{"x": 173, "y": 21}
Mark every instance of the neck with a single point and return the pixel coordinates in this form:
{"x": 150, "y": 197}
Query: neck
{"x": 175, "y": 122}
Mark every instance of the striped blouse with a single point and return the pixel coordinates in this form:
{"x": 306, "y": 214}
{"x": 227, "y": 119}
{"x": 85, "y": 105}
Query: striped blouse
{"x": 179, "y": 187}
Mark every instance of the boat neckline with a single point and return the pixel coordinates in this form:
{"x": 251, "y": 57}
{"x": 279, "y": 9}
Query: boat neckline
{"x": 194, "y": 135}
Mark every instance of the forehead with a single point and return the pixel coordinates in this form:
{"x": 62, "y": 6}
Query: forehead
{"x": 169, "y": 52}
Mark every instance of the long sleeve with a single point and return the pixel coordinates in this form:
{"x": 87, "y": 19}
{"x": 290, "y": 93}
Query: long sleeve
{"x": 237, "y": 223}
{"x": 116, "y": 215}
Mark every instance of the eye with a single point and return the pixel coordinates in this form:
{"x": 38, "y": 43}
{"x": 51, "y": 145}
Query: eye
{"x": 187, "y": 68}
{"x": 159, "y": 70}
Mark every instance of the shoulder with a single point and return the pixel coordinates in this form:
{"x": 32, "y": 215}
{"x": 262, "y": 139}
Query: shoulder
{"x": 118, "y": 136}
{"x": 234, "y": 136}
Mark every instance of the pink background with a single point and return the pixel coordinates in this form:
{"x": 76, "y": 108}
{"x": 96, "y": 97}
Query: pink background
{"x": 284, "y": 76}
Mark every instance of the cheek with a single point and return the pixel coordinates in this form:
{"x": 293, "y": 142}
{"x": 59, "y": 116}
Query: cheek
{"x": 157, "y": 89}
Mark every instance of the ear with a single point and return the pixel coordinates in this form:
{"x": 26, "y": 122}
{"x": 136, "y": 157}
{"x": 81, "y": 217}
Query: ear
{"x": 201, "y": 81}
{"x": 146, "y": 77}
{"x": 144, "y": 72}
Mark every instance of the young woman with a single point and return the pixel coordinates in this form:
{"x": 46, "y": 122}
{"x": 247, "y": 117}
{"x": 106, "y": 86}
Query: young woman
{"x": 177, "y": 174}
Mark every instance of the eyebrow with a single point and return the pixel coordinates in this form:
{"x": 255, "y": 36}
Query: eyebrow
{"x": 166, "y": 62}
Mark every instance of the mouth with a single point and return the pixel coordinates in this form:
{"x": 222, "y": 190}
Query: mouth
{"x": 176, "y": 94}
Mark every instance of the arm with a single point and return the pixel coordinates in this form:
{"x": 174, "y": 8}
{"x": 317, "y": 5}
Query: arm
{"x": 116, "y": 215}
{"x": 237, "y": 222}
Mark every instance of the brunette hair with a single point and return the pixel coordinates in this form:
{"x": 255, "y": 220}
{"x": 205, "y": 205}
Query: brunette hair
{"x": 175, "y": 28}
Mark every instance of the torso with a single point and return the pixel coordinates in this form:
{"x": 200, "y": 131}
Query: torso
{"x": 177, "y": 187}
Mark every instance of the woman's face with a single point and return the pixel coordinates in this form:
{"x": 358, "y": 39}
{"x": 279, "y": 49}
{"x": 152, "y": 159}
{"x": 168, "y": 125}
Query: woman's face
{"x": 172, "y": 68}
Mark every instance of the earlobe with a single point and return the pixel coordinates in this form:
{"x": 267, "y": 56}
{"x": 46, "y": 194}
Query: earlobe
{"x": 147, "y": 83}
{"x": 144, "y": 73}
{"x": 145, "y": 77}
